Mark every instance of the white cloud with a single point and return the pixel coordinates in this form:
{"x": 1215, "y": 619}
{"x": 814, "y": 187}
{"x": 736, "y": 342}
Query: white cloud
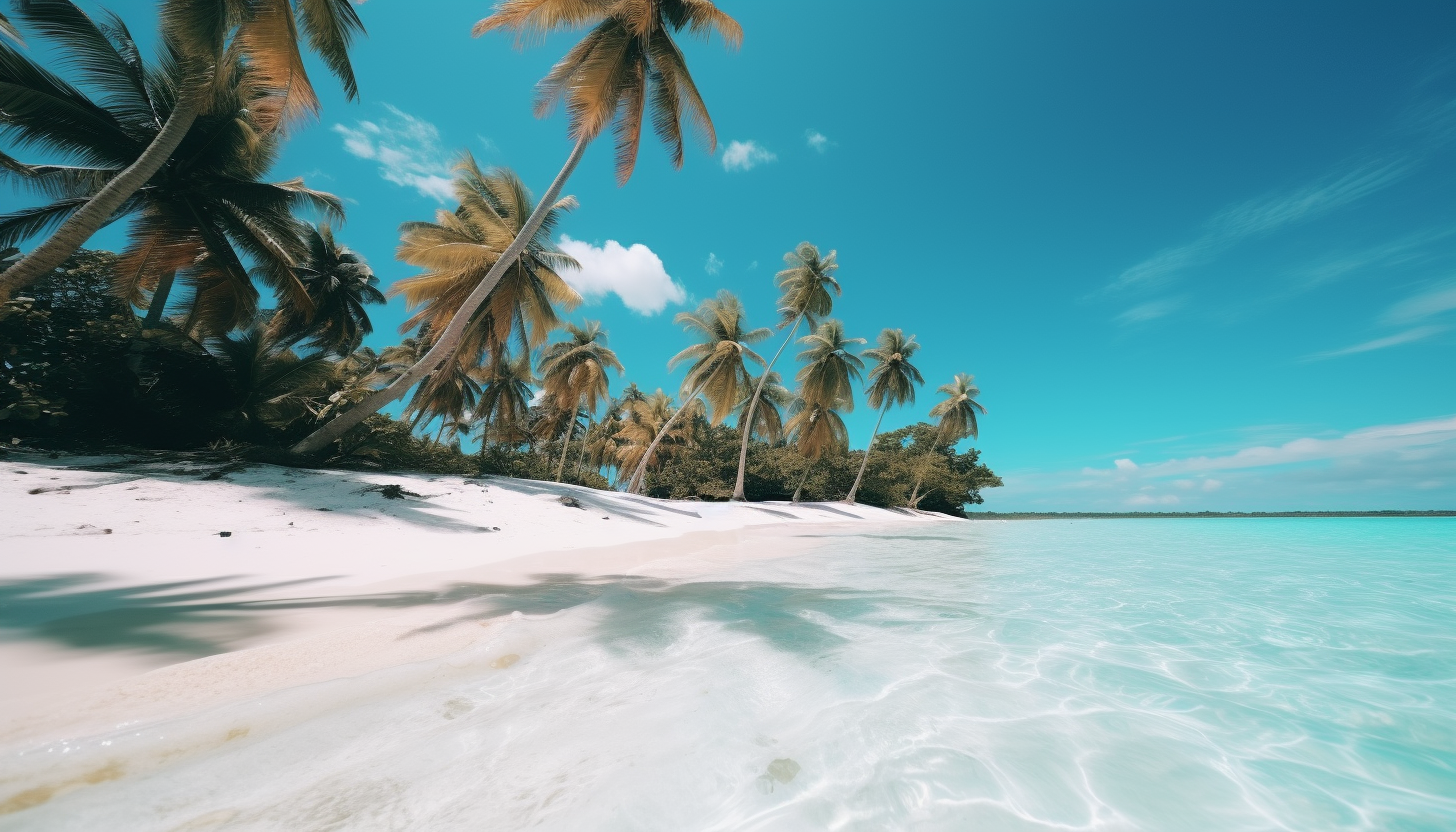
{"x": 745, "y": 156}
{"x": 1420, "y": 333}
{"x": 1264, "y": 215}
{"x": 1424, "y": 305}
{"x": 818, "y": 142}
{"x": 407, "y": 149}
{"x": 633, "y": 273}
{"x": 1402, "y": 466}
{"x": 1144, "y": 312}
{"x": 714, "y": 265}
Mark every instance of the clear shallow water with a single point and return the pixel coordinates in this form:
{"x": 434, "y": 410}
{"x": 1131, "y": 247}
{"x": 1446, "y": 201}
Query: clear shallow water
{"x": 1118, "y": 675}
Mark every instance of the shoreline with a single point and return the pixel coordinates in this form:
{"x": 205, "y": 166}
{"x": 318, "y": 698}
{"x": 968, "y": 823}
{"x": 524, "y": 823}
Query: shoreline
{"x": 112, "y": 624}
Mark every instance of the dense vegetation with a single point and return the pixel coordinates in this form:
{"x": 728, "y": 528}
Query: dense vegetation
{"x": 171, "y": 345}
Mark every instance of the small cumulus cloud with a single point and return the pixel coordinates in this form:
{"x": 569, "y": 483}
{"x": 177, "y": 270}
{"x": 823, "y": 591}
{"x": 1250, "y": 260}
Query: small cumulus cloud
{"x": 746, "y": 156}
{"x": 633, "y": 273}
{"x": 714, "y": 265}
{"x": 818, "y": 142}
{"x": 407, "y": 149}
{"x": 1125, "y": 465}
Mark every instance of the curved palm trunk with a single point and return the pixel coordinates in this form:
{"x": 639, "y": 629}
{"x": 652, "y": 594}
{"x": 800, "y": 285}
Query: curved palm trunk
{"x": 800, "y": 488}
{"x": 566, "y": 441}
{"x": 449, "y": 341}
{"x": 753, "y": 408}
{"x": 864, "y": 463}
{"x": 89, "y": 219}
{"x": 158, "y": 303}
{"x": 637, "y": 476}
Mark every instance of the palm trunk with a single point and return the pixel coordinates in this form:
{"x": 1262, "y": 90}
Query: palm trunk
{"x": 566, "y": 442}
{"x": 159, "y": 301}
{"x": 585, "y": 441}
{"x": 753, "y": 408}
{"x": 864, "y": 463}
{"x": 449, "y": 341}
{"x": 637, "y": 475}
{"x": 441, "y": 432}
{"x": 102, "y": 207}
{"x": 800, "y": 488}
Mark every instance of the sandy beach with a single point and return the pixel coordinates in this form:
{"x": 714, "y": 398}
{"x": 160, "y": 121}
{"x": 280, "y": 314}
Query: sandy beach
{"x": 138, "y": 589}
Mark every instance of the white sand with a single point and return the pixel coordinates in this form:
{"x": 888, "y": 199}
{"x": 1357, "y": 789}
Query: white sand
{"x": 297, "y": 594}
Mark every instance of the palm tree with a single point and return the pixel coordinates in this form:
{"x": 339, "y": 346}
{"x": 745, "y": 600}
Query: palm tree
{"x": 448, "y": 396}
{"x": 274, "y": 387}
{"x": 817, "y": 429}
{"x": 574, "y": 373}
{"x": 805, "y": 286}
{"x": 504, "y": 405}
{"x": 957, "y": 413}
{"x": 648, "y": 438}
{"x": 768, "y": 418}
{"x": 201, "y": 39}
{"x": 830, "y": 369}
{"x": 200, "y": 213}
{"x": 892, "y": 383}
{"x": 460, "y": 251}
{"x": 626, "y": 65}
{"x": 339, "y": 284}
{"x": 719, "y": 373}
{"x": 8, "y": 30}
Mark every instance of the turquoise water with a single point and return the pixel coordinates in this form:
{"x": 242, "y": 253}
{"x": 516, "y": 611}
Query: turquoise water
{"x": 1109, "y": 675}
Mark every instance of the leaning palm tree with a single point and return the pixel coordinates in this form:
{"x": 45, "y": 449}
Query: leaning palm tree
{"x": 574, "y": 373}
{"x": 200, "y": 215}
{"x": 201, "y": 39}
{"x": 768, "y": 418}
{"x": 805, "y": 286}
{"x": 648, "y": 437}
{"x": 339, "y": 284}
{"x": 625, "y": 66}
{"x": 957, "y": 413}
{"x": 447, "y": 396}
{"x": 719, "y": 372}
{"x": 892, "y": 383}
{"x": 817, "y": 429}
{"x": 504, "y": 406}
{"x": 460, "y": 251}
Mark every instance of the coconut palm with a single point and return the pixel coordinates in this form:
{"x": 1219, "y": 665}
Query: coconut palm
{"x": 460, "y": 251}
{"x": 830, "y": 369}
{"x": 203, "y": 40}
{"x": 504, "y": 406}
{"x": 7, "y": 29}
{"x": 201, "y": 214}
{"x": 652, "y": 433}
{"x": 892, "y": 383}
{"x": 805, "y": 288}
{"x": 768, "y": 418}
{"x": 574, "y": 373}
{"x": 957, "y": 413}
{"x": 719, "y": 372}
{"x": 817, "y": 429}
{"x": 274, "y": 387}
{"x": 625, "y": 66}
{"x": 448, "y": 396}
{"x": 339, "y": 284}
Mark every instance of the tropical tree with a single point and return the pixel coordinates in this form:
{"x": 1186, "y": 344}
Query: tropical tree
{"x": 459, "y": 252}
{"x": 651, "y": 432}
{"x": 274, "y": 387}
{"x": 339, "y": 284}
{"x": 768, "y": 418}
{"x": 448, "y": 396}
{"x": 504, "y": 405}
{"x": 203, "y": 42}
{"x": 574, "y": 373}
{"x": 830, "y": 369}
{"x": 817, "y": 429}
{"x": 719, "y": 372}
{"x": 202, "y": 213}
{"x": 892, "y": 383}
{"x": 626, "y": 65}
{"x": 957, "y": 412}
{"x": 805, "y": 288}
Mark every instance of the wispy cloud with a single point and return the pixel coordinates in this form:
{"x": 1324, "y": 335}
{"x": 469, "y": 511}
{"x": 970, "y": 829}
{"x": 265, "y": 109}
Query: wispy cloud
{"x": 407, "y": 149}
{"x": 1420, "y": 333}
{"x": 1422, "y": 306}
{"x": 633, "y": 273}
{"x": 1144, "y": 312}
{"x": 1261, "y": 216}
{"x": 1408, "y": 465}
{"x": 818, "y": 142}
{"x": 714, "y": 265}
{"x": 742, "y": 156}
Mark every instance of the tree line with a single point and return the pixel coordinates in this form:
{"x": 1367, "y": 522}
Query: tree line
{"x": 167, "y": 342}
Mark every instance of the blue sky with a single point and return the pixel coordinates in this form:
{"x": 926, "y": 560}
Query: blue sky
{"x": 1198, "y": 256}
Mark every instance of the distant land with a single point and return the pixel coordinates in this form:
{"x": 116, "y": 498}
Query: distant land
{"x": 1154, "y": 515}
